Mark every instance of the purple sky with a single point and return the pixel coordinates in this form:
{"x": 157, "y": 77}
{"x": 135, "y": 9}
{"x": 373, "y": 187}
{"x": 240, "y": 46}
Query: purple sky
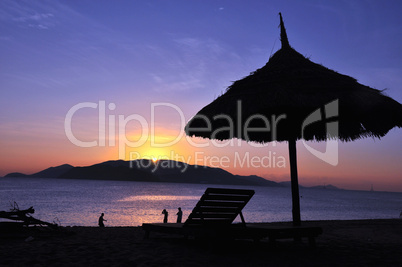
{"x": 56, "y": 54}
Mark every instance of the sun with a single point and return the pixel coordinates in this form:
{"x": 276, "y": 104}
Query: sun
{"x": 154, "y": 159}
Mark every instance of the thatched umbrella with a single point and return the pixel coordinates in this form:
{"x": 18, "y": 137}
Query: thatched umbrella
{"x": 292, "y": 98}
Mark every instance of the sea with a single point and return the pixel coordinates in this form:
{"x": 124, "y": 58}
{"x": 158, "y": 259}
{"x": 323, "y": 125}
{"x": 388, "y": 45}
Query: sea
{"x": 80, "y": 202}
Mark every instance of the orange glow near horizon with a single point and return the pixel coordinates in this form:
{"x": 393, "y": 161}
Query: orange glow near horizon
{"x": 357, "y": 169}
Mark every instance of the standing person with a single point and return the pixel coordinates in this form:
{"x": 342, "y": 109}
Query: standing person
{"x": 165, "y": 218}
{"x": 179, "y": 215}
{"x": 101, "y": 220}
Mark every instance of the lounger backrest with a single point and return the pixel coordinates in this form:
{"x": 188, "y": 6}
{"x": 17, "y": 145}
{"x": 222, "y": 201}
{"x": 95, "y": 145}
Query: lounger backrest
{"x": 219, "y": 206}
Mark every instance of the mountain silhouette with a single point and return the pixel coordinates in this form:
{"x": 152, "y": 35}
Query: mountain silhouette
{"x": 53, "y": 171}
{"x": 168, "y": 171}
{"x": 328, "y": 186}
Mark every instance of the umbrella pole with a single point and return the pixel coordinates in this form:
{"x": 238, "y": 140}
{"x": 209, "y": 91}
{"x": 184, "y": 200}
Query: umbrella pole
{"x": 294, "y": 183}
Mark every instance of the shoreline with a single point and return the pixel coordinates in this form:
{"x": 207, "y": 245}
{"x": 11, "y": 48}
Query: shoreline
{"x": 280, "y": 184}
{"x": 343, "y": 242}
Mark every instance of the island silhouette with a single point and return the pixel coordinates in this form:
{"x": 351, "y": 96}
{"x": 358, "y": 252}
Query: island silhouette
{"x": 144, "y": 170}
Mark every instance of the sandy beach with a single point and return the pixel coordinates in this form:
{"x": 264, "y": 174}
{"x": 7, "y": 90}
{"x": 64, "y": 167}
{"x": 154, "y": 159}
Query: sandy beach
{"x": 350, "y": 243}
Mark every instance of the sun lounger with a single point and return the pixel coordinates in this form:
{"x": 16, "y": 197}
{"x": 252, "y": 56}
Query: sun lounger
{"x": 214, "y": 214}
{"x": 219, "y": 207}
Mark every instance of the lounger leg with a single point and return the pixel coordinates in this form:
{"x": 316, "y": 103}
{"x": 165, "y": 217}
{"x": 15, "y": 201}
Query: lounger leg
{"x": 242, "y": 218}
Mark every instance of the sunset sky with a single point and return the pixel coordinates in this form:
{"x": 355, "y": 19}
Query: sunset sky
{"x": 128, "y": 75}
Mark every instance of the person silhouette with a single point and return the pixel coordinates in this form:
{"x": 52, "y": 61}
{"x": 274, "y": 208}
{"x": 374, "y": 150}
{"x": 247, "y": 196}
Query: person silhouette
{"x": 179, "y": 215}
{"x": 165, "y": 218}
{"x": 101, "y": 220}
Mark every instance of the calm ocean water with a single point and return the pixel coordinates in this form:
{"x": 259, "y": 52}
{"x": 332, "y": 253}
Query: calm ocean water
{"x": 80, "y": 202}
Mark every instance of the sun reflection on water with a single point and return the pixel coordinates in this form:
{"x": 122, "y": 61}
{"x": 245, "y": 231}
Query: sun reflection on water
{"x": 158, "y": 198}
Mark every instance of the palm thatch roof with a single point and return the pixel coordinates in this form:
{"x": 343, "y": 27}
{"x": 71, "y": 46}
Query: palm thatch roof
{"x": 292, "y": 85}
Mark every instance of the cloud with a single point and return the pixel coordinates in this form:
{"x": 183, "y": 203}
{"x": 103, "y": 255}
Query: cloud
{"x": 41, "y": 21}
{"x": 193, "y": 64}
{"x": 39, "y": 15}
{"x": 199, "y": 45}
{"x": 177, "y": 84}
{"x": 188, "y": 41}
{"x": 34, "y": 17}
{"x": 38, "y": 26}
